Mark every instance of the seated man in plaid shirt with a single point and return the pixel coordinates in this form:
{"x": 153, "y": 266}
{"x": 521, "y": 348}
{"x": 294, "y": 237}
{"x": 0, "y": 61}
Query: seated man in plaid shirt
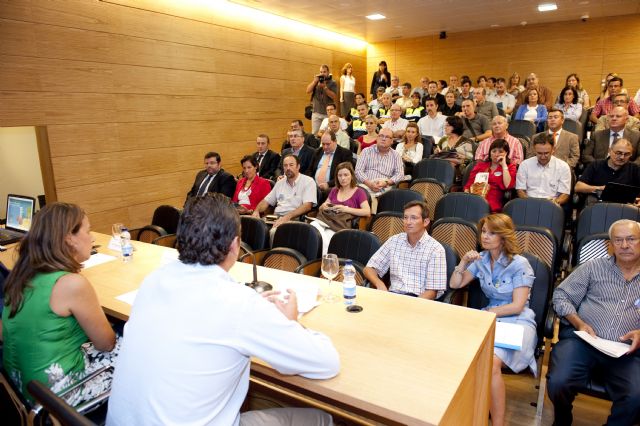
{"x": 417, "y": 262}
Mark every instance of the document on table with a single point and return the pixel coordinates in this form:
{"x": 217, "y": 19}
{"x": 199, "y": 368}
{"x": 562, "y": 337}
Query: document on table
{"x": 97, "y": 259}
{"x": 509, "y": 336}
{"x": 306, "y": 292}
{"x": 128, "y": 298}
{"x": 607, "y": 347}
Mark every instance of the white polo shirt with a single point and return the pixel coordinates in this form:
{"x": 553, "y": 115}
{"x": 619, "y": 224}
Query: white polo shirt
{"x": 544, "y": 181}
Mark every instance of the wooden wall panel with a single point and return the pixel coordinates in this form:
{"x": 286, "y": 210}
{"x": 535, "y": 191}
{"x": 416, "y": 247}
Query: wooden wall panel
{"x": 133, "y": 98}
{"x": 553, "y": 51}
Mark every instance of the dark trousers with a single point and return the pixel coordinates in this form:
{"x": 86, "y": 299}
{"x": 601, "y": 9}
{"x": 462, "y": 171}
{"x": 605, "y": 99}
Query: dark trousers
{"x": 573, "y": 361}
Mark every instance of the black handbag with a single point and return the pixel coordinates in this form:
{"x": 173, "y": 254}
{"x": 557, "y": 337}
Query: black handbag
{"x": 308, "y": 110}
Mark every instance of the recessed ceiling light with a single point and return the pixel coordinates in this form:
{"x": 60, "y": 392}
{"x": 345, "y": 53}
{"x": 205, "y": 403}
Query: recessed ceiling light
{"x": 547, "y": 7}
{"x": 376, "y": 17}
{"x": 495, "y": 25}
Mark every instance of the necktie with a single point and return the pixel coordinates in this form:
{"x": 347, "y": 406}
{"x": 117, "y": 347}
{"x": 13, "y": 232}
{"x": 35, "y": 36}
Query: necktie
{"x": 260, "y": 157}
{"x": 555, "y": 138}
{"x": 321, "y": 176}
{"x": 615, "y": 137}
{"x": 204, "y": 185}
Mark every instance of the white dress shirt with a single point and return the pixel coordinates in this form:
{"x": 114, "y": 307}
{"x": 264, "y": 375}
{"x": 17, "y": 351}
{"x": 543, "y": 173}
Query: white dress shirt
{"x": 544, "y": 181}
{"x": 433, "y": 127}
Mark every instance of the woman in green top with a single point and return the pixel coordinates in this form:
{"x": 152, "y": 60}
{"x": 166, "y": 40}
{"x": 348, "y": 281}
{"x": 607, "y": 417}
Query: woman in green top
{"x": 51, "y": 310}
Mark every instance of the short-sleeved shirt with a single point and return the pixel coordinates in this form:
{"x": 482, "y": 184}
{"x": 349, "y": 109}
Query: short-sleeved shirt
{"x": 321, "y": 99}
{"x": 506, "y": 101}
{"x": 355, "y": 201}
{"x": 599, "y": 173}
{"x": 413, "y": 269}
{"x": 399, "y": 124}
{"x": 547, "y": 181}
{"x": 604, "y": 106}
{"x": 372, "y": 164}
{"x": 479, "y": 123}
{"x": 287, "y": 198}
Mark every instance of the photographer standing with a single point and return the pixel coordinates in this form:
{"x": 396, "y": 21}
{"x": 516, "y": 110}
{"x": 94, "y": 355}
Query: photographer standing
{"x": 324, "y": 91}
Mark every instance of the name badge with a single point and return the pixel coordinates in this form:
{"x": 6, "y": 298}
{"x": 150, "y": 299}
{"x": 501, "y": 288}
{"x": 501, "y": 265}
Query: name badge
{"x": 497, "y": 174}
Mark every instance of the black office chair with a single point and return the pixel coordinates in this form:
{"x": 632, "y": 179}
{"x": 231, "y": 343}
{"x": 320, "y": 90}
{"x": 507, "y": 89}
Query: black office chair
{"x": 539, "y": 242}
{"x": 301, "y": 237}
{"x": 462, "y": 205}
{"x": 593, "y": 247}
{"x": 166, "y": 217}
{"x": 387, "y": 224}
{"x": 354, "y": 244}
{"x": 395, "y": 199}
{"x": 254, "y": 232}
{"x": 522, "y": 128}
{"x": 460, "y": 234}
{"x": 166, "y": 241}
{"x": 314, "y": 269}
{"x": 427, "y": 146}
{"x": 147, "y": 234}
{"x": 437, "y": 169}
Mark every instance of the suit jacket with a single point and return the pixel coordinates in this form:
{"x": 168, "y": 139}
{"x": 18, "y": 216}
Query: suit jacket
{"x": 597, "y": 148}
{"x": 339, "y": 156}
{"x": 567, "y": 148}
{"x": 309, "y": 140}
{"x": 223, "y": 183}
{"x": 305, "y": 156}
{"x": 267, "y": 169}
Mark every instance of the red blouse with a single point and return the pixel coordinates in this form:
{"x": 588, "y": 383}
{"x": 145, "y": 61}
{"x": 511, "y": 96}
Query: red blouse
{"x": 495, "y": 195}
{"x": 259, "y": 189}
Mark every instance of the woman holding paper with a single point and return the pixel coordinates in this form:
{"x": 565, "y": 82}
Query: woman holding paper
{"x": 51, "y": 311}
{"x": 506, "y": 279}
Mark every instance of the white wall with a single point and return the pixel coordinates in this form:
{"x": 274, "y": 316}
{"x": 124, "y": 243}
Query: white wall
{"x": 19, "y": 164}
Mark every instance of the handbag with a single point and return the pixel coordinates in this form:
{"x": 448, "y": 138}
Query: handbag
{"x": 308, "y": 110}
{"x": 334, "y": 220}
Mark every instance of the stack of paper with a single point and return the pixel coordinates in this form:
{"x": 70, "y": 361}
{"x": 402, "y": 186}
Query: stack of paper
{"x": 509, "y": 336}
{"x": 608, "y": 347}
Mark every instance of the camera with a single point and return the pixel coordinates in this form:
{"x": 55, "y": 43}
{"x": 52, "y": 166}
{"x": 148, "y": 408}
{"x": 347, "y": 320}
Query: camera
{"x": 322, "y": 78}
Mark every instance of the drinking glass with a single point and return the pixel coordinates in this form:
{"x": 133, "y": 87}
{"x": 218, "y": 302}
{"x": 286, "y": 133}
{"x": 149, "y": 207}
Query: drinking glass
{"x": 330, "y": 268}
{"x": 116, "y": 230}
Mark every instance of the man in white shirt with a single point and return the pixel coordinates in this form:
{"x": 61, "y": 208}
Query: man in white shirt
{"x": 193, "y": 329}
{"x": 433, "y": 123}
{"x": 544, "y": 176}
{"x": 503, "y": 100}
{"x": 341, "y": 136}
{"x": 405, "y": 100}
{"x": 396, "y": 124}
{"x": 331, "y": 110}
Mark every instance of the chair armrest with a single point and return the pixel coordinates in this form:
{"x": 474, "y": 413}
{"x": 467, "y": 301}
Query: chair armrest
{"x": 549, "y": 324}
{"x": 452, "y": 296}
{"x": 311, "y": 268}
{"x": 259, "y": 255}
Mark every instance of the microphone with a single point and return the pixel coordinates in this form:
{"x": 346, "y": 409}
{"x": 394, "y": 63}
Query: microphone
{"x": 258, "y": 286}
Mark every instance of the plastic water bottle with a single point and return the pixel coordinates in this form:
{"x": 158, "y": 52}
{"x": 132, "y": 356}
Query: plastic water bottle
{"x": 126, "y": 246}
{"x": 349, "y": 283}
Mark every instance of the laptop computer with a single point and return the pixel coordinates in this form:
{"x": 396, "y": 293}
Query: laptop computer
{"x": 20, "y": 209}
{"x": 620, "y": 193}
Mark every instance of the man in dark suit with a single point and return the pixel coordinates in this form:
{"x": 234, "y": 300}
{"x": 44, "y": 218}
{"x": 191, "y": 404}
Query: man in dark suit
{"x": 326, "y": 160}
{"x": 213, "y": 178}
{"x": 267, "y": 159}
{"x": 309, "y": 139}
{"x": 300, "y": 150}
{"x": 566, "y": 144}
{"x": 597, "y": 148}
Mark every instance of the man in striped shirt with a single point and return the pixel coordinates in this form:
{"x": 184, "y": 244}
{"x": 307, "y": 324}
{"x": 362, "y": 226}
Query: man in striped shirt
{"x": 379, "y": 167}
{"x": 602, "y": 298}
{"x": 416, "y": 261}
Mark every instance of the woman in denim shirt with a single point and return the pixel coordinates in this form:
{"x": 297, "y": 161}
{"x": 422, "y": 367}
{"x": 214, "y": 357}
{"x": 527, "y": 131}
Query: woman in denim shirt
{"x": 506, "y": 279}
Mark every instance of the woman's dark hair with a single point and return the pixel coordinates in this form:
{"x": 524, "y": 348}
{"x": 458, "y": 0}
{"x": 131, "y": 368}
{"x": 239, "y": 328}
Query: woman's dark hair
{"x": 207, "y": 228}
{"x": 443, "y": 84}
{"x": 347, "y": 166}
{"x": 249, "y": 158}
{"x": 499, "y": 143}
{"x": 457, "y": 124}
{"x": 573, "y": 90}
{"x": 383, "y": 63}
{"x": 526, "y": 97}
{"x": 44, "y": 249}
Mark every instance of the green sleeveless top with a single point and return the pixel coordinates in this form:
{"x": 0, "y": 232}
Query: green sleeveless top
{"x": 38, "y": 343}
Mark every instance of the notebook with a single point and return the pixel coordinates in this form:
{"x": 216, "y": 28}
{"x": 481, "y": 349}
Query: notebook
{"x": 20, "y": 209}
{"x": 620, "y": 193}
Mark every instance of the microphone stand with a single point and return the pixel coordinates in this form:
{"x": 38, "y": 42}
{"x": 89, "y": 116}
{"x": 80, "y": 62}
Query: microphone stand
{"x": 258, "y": 286}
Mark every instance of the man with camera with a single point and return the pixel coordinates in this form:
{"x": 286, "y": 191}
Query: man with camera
{"x": 323, "y": 90}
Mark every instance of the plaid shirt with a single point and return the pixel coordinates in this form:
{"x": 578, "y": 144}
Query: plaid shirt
{"x": 413, "y": 269}
{"x": 604, "y": 106}
{"x": 373, "y": 165}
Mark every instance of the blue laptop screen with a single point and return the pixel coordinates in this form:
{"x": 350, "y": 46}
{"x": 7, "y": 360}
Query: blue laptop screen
{"x": 19, "y": 212}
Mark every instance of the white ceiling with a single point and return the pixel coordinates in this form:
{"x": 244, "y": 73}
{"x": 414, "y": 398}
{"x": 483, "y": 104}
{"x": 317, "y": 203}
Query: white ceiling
{"x": 415, "y": 18}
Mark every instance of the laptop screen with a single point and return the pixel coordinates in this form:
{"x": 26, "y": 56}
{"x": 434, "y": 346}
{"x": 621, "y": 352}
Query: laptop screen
{"x": 19, "y": 212}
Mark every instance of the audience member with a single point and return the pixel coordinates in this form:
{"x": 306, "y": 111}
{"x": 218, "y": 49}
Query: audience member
{"x": 484, "y": 107}
{"x": 600, "y": 298}
{"x": 267, "y": 159}
{"x": 376, "y": 103}
{"x": 416, "y": 111}
{"x": 476, "y": 127}
{"x": 450, "y": 106}
{"x": 360, "y": 100}
{"x": 331, "y": 110}
{"x": 605, "y": 105}
{"x": 411, "y": 148}
{"x": 365, "y": 141}
{"x": 405, "y": 100}
{"x": 442, "y": 86}
{"x": 569, "y": 104}
{"x": 251, "y": 189}
{"x": 453, "y": 86}
{"x": 381, "y": 78}
{"x": 325, "y": 161}
{"x": 506, "y": 279}
{"x": 616, "y": 168}
{"x": 499, "y": 175}
{"x": 384, "y": 110}
{"x": 213, "y": 178}
{"x": 341, "y": 136}
{"x": 504, "y": 100}
{"x": 544, "y": 176}
{"x": 490, "y": 86}
{"x": 545, "y": 96}
{"x": 323, "y": 90}
{"x": 51, "y": 311}
{"x": 453, "y": 140}
{"x": 423, "y": 89}
{"x": 416, "y": 262}
{"x": 394, "y": 89}
{"x": 598, "y": 145}
{"x": 346, "y": 201}
{"x": 514, "y": 87}
{"x": 396, "y": 123}
{"x": 193, "y": 331}
{"x": 566, "y": 144}
{"x": 347, "y": 89}
{"x": 532, "y": 109}
{"x": 465, "y": 91}
{"x": 379, "y": 167}
{"x": 309, "y": 139}
{"x": 583, "y": 97}
{"x": 432, "y": 93}
{"x": 300, "y": 150}
{"x": 292, "y": 196}
{"x": 432, "y": 124}
{"x": 358, "y": 126}
{"x": 620, "y": 100}
{"x": 499, "y": 130}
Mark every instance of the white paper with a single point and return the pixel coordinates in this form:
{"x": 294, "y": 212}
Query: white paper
{"x": 481, "y": 178}
{"x": 97, "y": 259}
{"x": 128, "y": 297}
{"x": 608, "y": 347}
{"x": 114, "y": 244}
{"x": 509, "y": 336}
{"x": 306, "y": 292}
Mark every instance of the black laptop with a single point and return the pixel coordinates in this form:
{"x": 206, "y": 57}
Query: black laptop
{"x": 20, "y": 210}
{"x": 620, "y": 193}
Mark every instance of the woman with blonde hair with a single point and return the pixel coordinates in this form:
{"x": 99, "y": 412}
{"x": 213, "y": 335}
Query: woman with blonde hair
{"x": 514, "y": 87}
{"x": 347, "y": 90}
{"x": 506, "y": 279}
{"x": 365, "y": 141}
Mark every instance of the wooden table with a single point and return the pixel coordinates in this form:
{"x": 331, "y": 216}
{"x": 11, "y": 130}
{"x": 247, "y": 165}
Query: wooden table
{"x": 404, "y": 360}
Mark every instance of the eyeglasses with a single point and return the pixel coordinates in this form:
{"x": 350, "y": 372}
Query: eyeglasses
{"x": 622, "y": 154}
{"x": 629, "y": 240}
{"x": 384, "y": 137}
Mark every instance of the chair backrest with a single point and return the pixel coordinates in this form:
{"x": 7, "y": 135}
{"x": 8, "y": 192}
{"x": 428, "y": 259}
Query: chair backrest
{"x": 467, "y": 172}
{"x": 537, "y": 212}
{"x": 284, "y": 259}
{"x": 314, "y": 269}
{"x": 522, "y": 128}
{"x": 395, "y": 199}
{"x": 440, "y": 170}
{"x": 431, "y": 190}
{"x": 573, "y": 126}
{"x": 354, "y": 244}
{"x": 452, "y": 260}
{"x": 460, "y": 234}
{"x": 593, "y": 247}
{"x": 539, "y": 242}
{"x": 299, "y": 236}
{"x": 254, "y": 232}
{"x": 56, "y": 406}
{"x": 599, "y": 217}
{"x": 387, "y": 224}
{"x": 166, "y": 241}
{"x": 463, "y": 205}
{"x": 147, "y": 233}
{"x": 167, "y": 217}
{"x": 427, "y": 146}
